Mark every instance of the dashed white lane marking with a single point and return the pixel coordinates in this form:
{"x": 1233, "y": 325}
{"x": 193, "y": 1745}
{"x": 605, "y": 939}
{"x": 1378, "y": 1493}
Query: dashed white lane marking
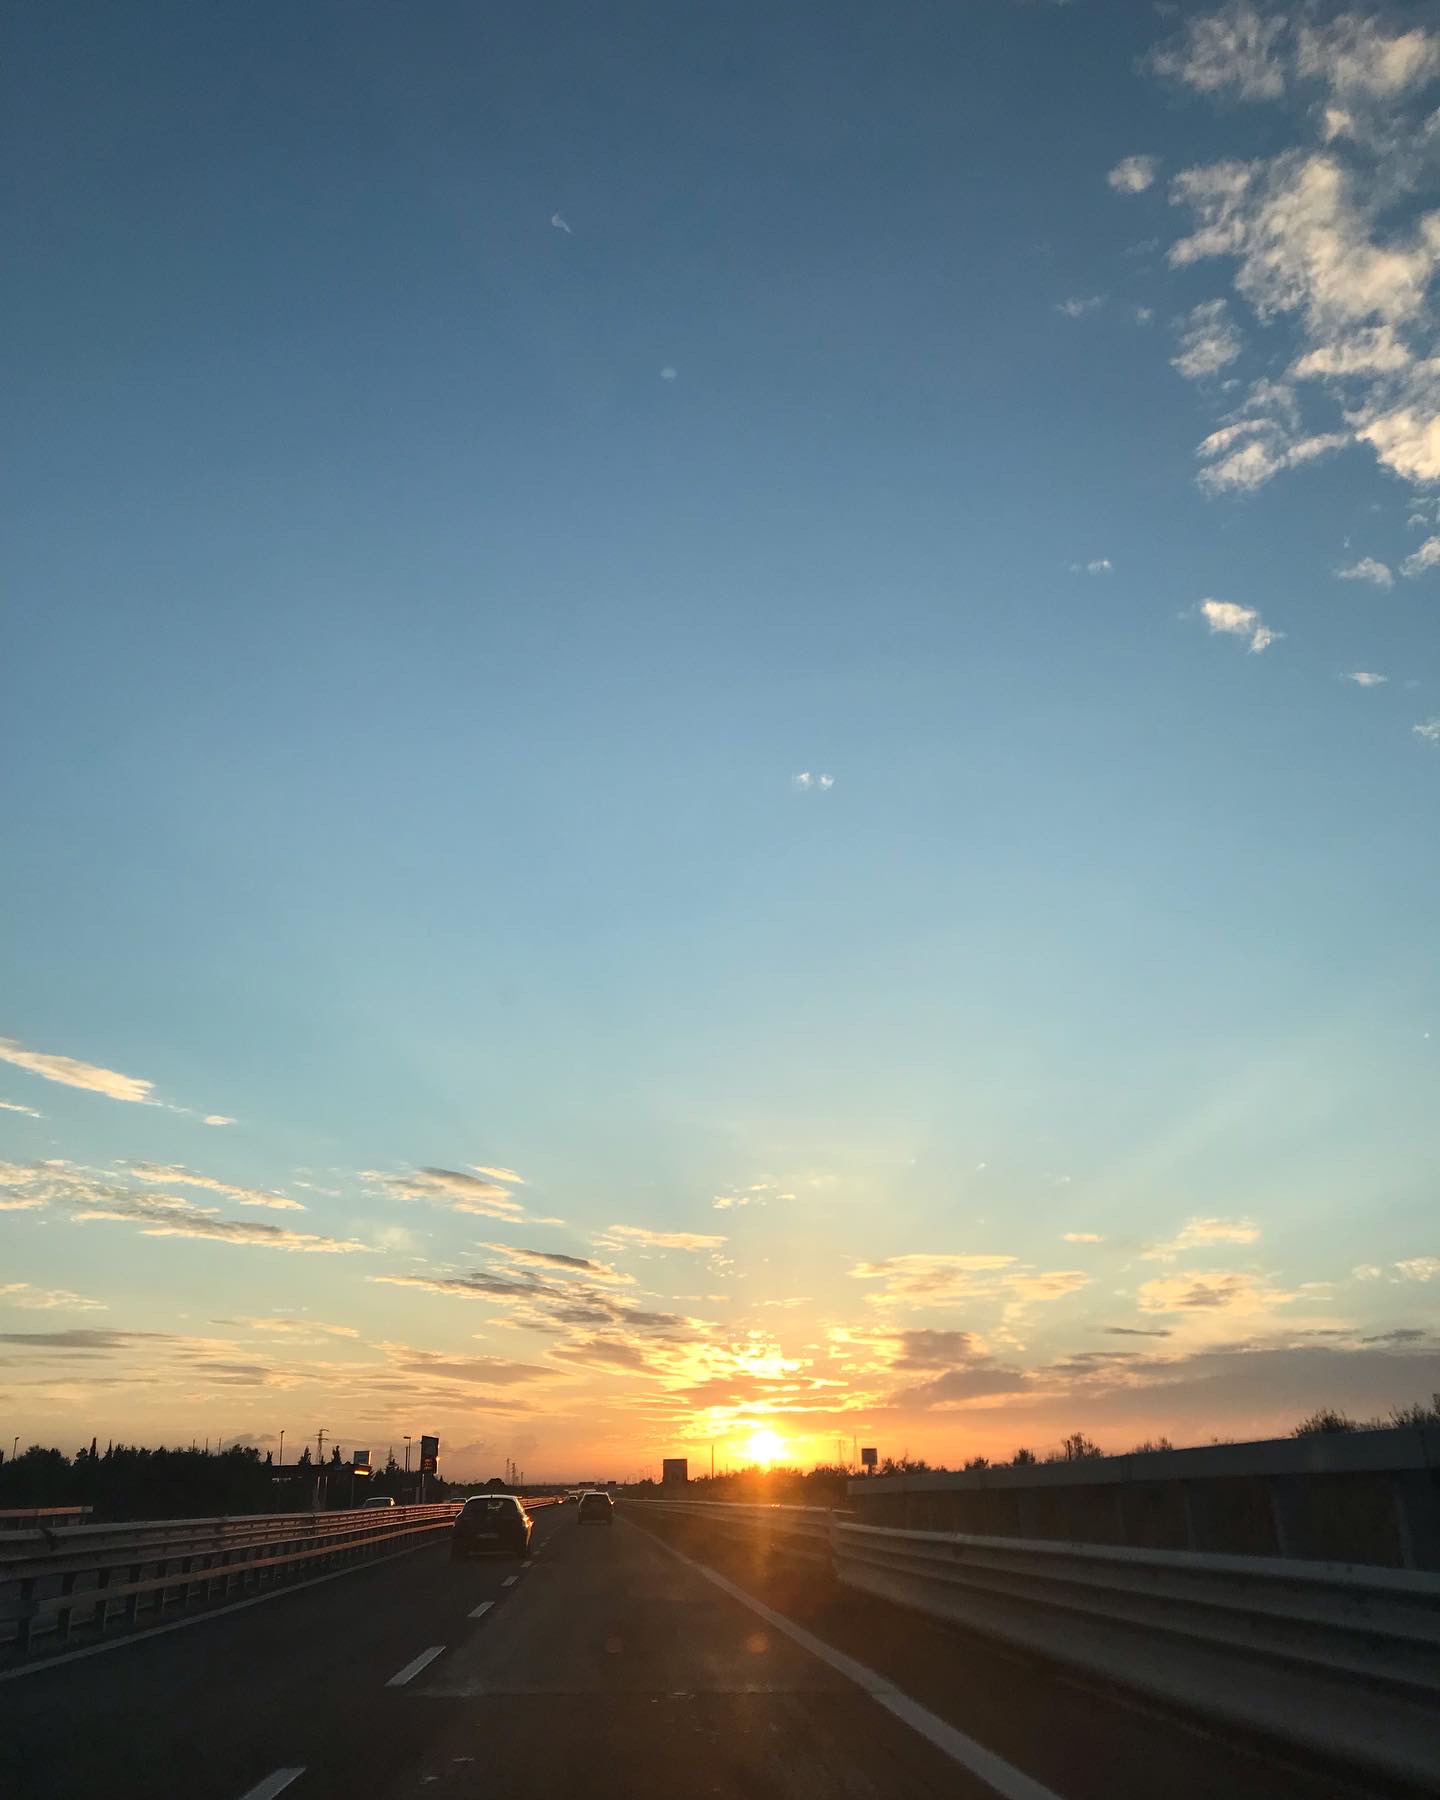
{"x": 509, "y": 1581}
{"x": 412, "y": 1669}
{"x": 526, "y": 1564}
{"x": 273, "y": 1784}
{"x": 1001, "y": 1777}
{"x": 481, "y": 1610}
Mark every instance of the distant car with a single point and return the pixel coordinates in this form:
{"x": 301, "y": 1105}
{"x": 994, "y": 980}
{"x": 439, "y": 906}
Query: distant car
{"x": 377, "y": 1500}
{"x": 596, "y": 1509}
{"x": 490, "y": 1525}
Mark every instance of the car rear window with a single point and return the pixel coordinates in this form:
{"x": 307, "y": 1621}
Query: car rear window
{"x": 493, "y": 1503}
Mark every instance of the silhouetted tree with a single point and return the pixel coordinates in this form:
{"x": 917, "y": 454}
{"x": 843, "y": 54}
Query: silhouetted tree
{"x": 1322, "y": 1421}
{"x": 1023, "y": 1458}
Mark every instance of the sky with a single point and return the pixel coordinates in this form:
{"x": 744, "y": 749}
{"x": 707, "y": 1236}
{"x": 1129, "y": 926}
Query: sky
{"x": 719, "y": 724}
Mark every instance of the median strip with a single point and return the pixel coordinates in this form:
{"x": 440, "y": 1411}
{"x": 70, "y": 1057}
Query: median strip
{"x": 412, "y": 1669}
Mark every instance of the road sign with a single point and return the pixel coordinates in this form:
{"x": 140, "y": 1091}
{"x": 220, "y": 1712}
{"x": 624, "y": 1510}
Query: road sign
{"x": 360, "y": 1461}
{"x": 429, "y": 1456}
{"x": 869, "y": 1456}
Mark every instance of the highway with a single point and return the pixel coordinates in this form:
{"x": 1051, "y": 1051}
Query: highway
{"x": 615, "y": 1662}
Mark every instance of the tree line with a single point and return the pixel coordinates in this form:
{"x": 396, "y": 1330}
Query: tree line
{"x": 129, "y": 1481}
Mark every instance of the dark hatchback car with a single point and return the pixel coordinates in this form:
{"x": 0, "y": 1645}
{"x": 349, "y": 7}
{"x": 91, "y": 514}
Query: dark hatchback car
{"x": 596, "y": 1509}
{"x": 490, "y": 1525}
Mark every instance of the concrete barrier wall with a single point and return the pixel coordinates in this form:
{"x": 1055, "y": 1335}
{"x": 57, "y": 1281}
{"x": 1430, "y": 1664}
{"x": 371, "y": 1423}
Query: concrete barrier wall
{"x": 1368, "y": 1497}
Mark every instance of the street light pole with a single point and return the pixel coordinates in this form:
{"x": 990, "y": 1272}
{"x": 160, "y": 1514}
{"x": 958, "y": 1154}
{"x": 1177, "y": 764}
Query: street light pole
{"x": 407, "y": 1452}
{"x": 282, "y": 1449}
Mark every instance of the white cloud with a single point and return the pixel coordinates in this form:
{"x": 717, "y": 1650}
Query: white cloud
{"x": 805, "y": 782}
{"x": 1200, "y": 1234}
{"x": 1133, "y": 174}
{"x": 1373, "y": 350}
{"x": 1209, "y": 341}
{"x": 1365, "y": 679}
{"x": 1083, "y": 1237}
{"x": 173, "y": 1175}
{"x": 70, "y": 1072}
{"x": 1237, "y": 46}
{"x": 1078, "y": 305}
{"x": 1353, "y": 56}
{"x": 1210, "y": 1290}
{"x": 33, "y": 1299}
{"x": 451, "y": 1188}
{"x": 1102, "y": 565}
{"x": 30, "y": 1112}
{"x": 1429, "y": 732}
{"x": 1367, "y": 569}
{"x": 620, "y": 1237}
{"x": 216, "y": 1119}
{"x": 1426, "y": 557}
{"x": 88, "y": 1198}
{"x": 1419, "y": 1268}
{"x": 669, "y": 373}
{"x": 559, "y": 223}
{"x": 1238, "y": 621}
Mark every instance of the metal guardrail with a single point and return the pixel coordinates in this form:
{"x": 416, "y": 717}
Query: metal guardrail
{"x": 1340, "y": 1660}
{"x": 85, "y": 1580}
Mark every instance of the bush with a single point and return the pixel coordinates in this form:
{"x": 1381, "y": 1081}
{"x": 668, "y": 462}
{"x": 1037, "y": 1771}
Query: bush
{"x": 1323, "y": 1420}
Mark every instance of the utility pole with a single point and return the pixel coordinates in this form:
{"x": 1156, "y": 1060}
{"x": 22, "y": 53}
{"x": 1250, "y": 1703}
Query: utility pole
{"x": 282, "y": 1449}
{"x": 320, "y": 1437}
{"x": 712, "y": 1462}
{"x": 407, "y": 1452}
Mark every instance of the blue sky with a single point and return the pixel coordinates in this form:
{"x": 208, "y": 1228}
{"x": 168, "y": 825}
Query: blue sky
{"x": 709, "y": 610}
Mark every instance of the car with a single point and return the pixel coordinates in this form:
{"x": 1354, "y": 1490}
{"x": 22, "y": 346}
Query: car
{"x": 596, "y": 1509}
{"x": 491, "y": 1525}
{"x": 377, "y": 1500}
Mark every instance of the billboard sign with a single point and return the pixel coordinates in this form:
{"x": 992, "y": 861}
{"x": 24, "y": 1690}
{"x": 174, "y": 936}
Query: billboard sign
{"x": 675, "y": 1471}
{"x": 429, "y": 1456}
{"x": 360, "y": 1461}
{"x": 869, "y": 1456}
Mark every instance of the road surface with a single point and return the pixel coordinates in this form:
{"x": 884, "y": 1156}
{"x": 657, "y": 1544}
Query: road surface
{"x": 611, "y": 1665}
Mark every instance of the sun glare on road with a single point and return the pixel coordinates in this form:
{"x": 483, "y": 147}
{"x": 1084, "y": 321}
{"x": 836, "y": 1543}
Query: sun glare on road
{"x": 765, "y": 1448}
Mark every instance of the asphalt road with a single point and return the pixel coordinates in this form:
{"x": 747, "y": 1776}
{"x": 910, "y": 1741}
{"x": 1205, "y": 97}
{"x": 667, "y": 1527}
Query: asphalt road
{"x": 611, "y": 1666}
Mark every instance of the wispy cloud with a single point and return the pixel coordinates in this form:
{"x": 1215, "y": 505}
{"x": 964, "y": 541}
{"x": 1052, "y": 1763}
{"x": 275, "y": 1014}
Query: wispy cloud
{"x": 1211, "y": 1290}
{"x": 87, "y": 1198}
{"x": 33, "y": 1299}
{"x": 1231, "y": 620}
{"x": 173, "y": 1175}
{"x": 1378, "y": 574}
{"x": 1365, "y": 678}
{"x": 1200, "y": 1234}
{"x": 1078, "y": 305}
{"x": 621, "y": 1236}
{"x": 1101, "y": 565}
{"x": 69, "y": 1071}
{"x": 1083, "y": 1237}
{"x": 1428, "y": 732}
{"x": 1133, "y": 174}
{"x": 454, "y": 1189}
{"x": 805, "y": 781}
{"x": 1427, "y": 557}
{"x": 560, "y": 225}
{"x": 1209, "y": 341}
{"x": 216, "y": 1119}
{"x": 554, "y": 1259}
{"x": 30, "y": 1112}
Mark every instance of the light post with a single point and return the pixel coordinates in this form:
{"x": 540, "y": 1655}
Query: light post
{"x": 282, "y": 1451}
{"x": 407, "y": 1452}
{"x": 14, "y": 1446}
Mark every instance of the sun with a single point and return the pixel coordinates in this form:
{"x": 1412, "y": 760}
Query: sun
{"x": 765, "y": 1448}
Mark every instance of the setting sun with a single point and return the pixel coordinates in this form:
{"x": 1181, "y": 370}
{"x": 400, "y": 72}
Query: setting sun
{"x": 765, "y": 1447}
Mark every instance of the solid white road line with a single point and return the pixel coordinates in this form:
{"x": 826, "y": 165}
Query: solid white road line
{"x": 273, "y": 1784}
{"x": 481, "y": 1610}
{"x": 412, "y": 1669}
{"x": 1001, "y": 1777}
{"x": 509, "y": 1581}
